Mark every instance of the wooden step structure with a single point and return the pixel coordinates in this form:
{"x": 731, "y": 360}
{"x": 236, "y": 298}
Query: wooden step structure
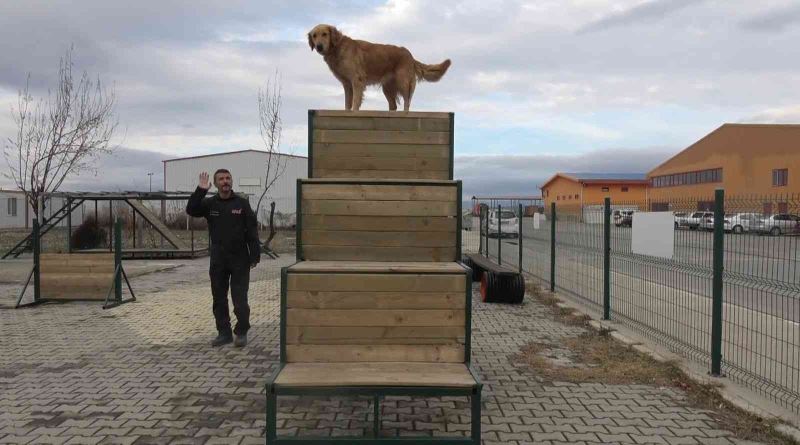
{"x": 378, "y": 302}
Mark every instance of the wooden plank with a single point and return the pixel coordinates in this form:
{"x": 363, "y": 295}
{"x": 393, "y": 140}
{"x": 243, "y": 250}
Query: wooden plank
{"x": 452, "y": 375}
{"x": 356, "y": 192}
{"x": 378, "y": 208}
{"x": 380, "y": 150}
{"x": 374, "y": 317}
{"x": 374, "y": 300}
{"x": 368, "y": 266}
{"x": 381, "y": 123}
{"x": 378, "y": 223}
{"x": 348, "y": 253}
{"x": 371, "y": 174}
{"x": 76, "y": 280}
{"x": 382, "y": 137}
{"x": 386, "y": 114}
{"x": 375, "y": 163}
{"x": 375, "y": 282}
{"x": 315, "y": 335}
{"x": 107, "y": 268}
{"x": 375, "y": 353}
{"x": 80, "y": 259}
{"x": 342, "y": 334}
{"x": 378, "y": 239}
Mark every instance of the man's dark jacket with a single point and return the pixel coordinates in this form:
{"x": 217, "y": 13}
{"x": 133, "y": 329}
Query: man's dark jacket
{"x": 232, "y": 225}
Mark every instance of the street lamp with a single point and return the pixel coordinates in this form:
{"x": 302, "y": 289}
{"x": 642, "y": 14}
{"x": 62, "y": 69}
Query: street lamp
{"x": 151, "y": 180}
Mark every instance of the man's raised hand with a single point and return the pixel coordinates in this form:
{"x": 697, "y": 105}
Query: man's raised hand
{"x": 204, "y": 184}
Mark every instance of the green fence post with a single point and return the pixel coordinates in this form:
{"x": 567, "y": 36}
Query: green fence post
{"x": 719, "y": 258}
{"x": 499, "y": 236}
{"x": 519, "y": 240}
{"x": 118, "y": 260}
{"x": 552, "y": 247}
{"x": 37, "y": 261}
{"x": 607, "y": 259}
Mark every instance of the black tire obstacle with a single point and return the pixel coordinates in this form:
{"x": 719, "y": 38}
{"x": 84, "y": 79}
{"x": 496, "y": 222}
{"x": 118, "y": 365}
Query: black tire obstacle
{"x": 499, "y": 284}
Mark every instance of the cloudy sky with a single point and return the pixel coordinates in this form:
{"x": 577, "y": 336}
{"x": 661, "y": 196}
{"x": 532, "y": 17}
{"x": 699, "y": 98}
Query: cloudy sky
{"x": 537, "y": 86}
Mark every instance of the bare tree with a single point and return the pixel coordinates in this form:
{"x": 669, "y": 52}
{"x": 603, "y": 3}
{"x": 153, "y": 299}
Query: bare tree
{"x": 270, "y": 126}
{"x": 61, "y": 134}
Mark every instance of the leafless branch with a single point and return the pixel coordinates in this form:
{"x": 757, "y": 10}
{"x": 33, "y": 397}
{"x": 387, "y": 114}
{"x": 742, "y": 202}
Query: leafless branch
{"x": 59, "y": 135}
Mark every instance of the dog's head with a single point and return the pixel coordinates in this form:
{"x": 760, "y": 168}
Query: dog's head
{"x": 323, "y": 38}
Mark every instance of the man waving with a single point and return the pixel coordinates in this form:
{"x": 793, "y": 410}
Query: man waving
{"x": 234, "y": 249}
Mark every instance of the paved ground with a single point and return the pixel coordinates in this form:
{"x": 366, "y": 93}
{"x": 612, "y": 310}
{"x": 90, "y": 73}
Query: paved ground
{"x": 144, "y": 373}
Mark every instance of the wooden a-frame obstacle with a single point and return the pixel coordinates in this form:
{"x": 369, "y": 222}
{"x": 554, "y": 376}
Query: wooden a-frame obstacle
{"x": 77, "y": 276}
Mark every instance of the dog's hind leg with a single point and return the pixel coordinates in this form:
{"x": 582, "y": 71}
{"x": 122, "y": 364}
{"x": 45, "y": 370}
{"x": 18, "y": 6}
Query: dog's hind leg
{"x": 390, "y": 91}
{"x": 407, "y": 92}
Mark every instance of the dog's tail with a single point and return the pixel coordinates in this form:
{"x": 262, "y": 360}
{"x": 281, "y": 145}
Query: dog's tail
{"x": 431, "y": 73}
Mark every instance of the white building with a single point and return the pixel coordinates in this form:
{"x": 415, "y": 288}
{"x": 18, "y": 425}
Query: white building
{"x": 248, "y": 168}
{"x": 16, "y": 213}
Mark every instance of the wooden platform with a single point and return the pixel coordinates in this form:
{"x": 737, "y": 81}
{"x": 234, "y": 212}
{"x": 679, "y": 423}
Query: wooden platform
{"x": 380, "y": 144}
{"x": 148, "y": 254}
{"x": 379, "y": 267}
{"x": 376, "y": 374}
{"x": 378, "y": 220}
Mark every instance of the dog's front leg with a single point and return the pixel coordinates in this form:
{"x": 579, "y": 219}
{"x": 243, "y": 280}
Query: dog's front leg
{"x": 358, "y": 94}
{"x": 348, "y": 96}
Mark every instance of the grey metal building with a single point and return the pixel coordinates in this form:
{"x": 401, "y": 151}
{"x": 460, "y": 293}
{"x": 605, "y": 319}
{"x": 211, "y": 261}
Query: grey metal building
{"x": 248, "y": 168}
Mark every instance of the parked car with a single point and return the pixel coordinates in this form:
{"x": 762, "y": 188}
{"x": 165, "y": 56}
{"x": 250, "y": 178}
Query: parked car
{"x": 693, "y": 221}
{"x": 744, "y": 222}
{"x": 707, "y": 222}
{"x": 680, "y": 219}
{"x": 623, "y": 217}
{"x": 509, "y": 223}
{"x": 779, "y": 224}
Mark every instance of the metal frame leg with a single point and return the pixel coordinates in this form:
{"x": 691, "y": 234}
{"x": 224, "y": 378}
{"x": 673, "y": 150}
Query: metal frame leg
{"x": 476, "y": 415}
{"x": 24, "y": 288}
{"x": 376, "y": 413}
{"x": 272, "y": 415}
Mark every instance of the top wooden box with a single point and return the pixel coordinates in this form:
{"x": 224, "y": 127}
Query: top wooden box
{"x": 380, "y": 145}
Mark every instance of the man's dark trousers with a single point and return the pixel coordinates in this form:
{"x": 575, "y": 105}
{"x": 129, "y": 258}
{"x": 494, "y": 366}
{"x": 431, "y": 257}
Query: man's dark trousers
{"x": 233, "y": 268}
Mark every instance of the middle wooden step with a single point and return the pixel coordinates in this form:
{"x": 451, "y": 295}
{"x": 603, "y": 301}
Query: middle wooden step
{"x": 378, "y": 220}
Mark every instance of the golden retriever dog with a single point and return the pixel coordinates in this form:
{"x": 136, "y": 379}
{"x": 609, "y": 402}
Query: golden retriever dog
{"x": 357, "y": 63}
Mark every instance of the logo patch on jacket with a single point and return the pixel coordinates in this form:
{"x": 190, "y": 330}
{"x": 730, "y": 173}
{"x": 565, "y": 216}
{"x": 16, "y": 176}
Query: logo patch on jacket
{"x": 236, "y": 211}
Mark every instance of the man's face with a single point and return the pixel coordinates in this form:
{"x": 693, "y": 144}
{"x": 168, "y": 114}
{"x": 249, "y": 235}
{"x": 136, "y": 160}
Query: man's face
{"x": 223, "y": 181}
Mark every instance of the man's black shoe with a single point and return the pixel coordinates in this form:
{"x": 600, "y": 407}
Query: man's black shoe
{"x": 241, "y": 341}
{"x": 221, "y": 340}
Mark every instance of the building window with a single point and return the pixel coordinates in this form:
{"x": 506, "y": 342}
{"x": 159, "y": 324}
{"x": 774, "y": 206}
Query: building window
{"x": 605, "y": 189}
{"x": 12, "y": 206}
{"x": 577, "y": 197}
{"x": 688, "y": 178}
{"x": 705, "y": 206}
{"x": 783, "y": 207}
{"x": 780, "y": 177}
{"x": 624, "y": 189}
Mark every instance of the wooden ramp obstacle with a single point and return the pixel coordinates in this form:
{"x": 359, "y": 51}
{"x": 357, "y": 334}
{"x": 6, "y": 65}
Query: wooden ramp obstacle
{"x": 77, "y": 276}
{"x": 378, "y": 303}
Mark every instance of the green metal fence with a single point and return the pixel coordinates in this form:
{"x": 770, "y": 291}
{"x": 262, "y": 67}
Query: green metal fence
{"x": 729, "y": 297}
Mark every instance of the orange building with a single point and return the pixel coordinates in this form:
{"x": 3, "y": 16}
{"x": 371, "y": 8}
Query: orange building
{"x": 760, "y": 160}
{"x": 593, "y": 188}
